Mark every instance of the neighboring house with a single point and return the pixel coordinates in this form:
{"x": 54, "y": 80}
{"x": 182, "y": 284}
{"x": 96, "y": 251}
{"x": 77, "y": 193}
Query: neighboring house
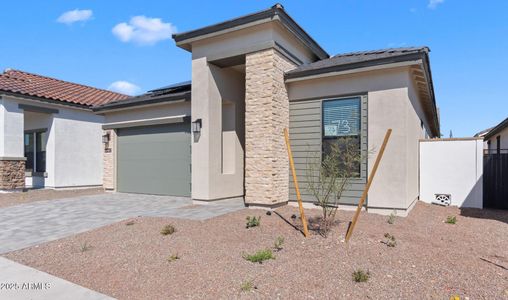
{"x": 221, "y": 135}
{"x": 49, "y": 136}
{"x": 497, "y": 138}
{"x": 481, "y": 135}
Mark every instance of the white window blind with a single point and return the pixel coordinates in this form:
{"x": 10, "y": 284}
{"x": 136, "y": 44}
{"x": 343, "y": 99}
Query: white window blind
{"x": 341, "y": 117}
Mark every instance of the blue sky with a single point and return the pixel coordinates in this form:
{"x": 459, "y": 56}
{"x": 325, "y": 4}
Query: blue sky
{"x": 104, "y": 42}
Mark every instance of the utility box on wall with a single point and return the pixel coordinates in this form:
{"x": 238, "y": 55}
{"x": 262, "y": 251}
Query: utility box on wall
{"x": 452, "y": 168}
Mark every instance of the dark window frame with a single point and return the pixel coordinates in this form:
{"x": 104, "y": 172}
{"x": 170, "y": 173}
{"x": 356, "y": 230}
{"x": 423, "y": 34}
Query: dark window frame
{"x": 324, "y": 138}
{"x": 38, "y": 157}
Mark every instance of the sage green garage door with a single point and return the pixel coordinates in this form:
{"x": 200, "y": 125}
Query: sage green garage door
{"x": 155, "y": 160}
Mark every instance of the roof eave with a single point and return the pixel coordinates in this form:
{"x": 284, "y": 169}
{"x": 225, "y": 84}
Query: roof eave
{"x": 426, "y": 65}
{"x": 417, "y": 57}
{"x": 183, "y": 40}
{"x": 44, "y": 100}
{"x": 355, "y": 65}
{"x": 134, "y": 103}
{"x": 499, "y": 127}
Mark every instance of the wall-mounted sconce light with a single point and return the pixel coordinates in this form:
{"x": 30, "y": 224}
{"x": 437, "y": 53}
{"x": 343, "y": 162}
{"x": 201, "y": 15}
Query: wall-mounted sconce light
{"x": 196, "y": 126}
{"x": 105, "y": 138}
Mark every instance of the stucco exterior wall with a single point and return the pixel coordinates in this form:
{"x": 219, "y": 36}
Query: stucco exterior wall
{"x": 392, "y": 103}
{"x": 249, "y": 40}
{"x": 148, "y": 112}
{"x": 416, "y": 128}
{"x": 452, "y": 167}
{"x": 78, "y": 148}
{"x": 11, "y": 128}
{"x": 74, "y": 146}
{"x": 212, "y": 87}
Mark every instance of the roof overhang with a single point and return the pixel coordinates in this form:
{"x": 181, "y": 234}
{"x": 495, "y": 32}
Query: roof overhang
{"x": 418, "y": 64}
{"x": 59, "y": 103}
{"x": 147, "y": 122}
{"x": 497, "y": 129}
{"x": 275, "y": 13}
{"x": 137, "y": 102}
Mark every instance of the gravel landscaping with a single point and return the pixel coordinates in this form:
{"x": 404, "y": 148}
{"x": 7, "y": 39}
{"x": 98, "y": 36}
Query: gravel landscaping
{"x": 205, "y": 259}
{"x": 15, "y": 198}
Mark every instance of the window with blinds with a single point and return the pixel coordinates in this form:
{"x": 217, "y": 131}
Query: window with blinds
{"x": 341, "y": 126}
{"x": 341, "y": 117}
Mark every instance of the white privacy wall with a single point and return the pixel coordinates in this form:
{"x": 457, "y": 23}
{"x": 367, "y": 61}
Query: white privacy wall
{"x": 452, "y": 166}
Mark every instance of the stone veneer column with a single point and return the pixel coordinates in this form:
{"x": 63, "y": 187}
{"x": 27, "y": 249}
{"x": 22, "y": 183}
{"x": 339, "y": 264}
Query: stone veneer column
{"x": 12, "y": 174}
{"x": 108, "y": 174}
{"x": 266, "y": 116}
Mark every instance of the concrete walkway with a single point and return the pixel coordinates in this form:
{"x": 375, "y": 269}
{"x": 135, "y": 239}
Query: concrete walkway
{"x": 34, "y": 223}
{"x": 21, "y": 282}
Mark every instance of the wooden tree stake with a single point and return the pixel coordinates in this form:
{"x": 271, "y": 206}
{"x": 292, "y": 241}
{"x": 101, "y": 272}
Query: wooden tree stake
{"x": 369, "y": 182}
{"x": 298, "y": 197}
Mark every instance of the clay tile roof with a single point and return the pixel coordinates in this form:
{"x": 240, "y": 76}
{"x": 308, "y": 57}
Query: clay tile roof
{"x": 20, "y": 82}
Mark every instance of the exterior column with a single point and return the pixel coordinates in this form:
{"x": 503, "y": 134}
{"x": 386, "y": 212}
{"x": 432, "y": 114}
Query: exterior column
{"x": 266, "y": 116}
{"x": 12, "y": 159}
{"x": 109, "y": 161}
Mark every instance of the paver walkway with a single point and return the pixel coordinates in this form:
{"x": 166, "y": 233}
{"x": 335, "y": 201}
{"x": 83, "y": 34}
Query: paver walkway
{"x": 34, "y": 223}
{"x": 21, "y": 282}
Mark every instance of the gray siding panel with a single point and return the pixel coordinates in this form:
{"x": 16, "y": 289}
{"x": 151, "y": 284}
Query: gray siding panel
{"x": 306, "y": 140}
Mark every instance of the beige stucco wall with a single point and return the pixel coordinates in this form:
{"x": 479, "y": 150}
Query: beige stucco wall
{"x": 211, "y": 87}
{"x": 251, "y": 39}
{"x": 392, "y": 103}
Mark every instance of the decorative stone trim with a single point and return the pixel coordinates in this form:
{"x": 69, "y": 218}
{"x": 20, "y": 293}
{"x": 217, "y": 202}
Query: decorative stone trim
{"x": 109, "y": 158}
{"x": 266, "y": 116}
{"x": 12, "y": 158}
{"x": 12, "y": 174}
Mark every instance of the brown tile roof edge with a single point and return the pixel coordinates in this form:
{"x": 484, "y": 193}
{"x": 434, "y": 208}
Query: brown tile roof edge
{"x": 35, "y": 85}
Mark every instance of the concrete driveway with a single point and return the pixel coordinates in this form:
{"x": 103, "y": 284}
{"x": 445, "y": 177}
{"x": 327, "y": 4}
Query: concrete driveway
{"x": 34, "y": 223}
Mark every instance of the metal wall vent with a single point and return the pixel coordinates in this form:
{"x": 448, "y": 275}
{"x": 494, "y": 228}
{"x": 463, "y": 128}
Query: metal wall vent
{"x": 442, "y": 199}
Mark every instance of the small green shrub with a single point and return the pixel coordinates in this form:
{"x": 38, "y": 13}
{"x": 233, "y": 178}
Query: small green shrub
{"x": 130, "y": 223}
{"x": 253, "y": 221}
{"x": 173, "y": 257}
{"x": 451, "y": 220}
{"x": 391, "y": 218}
{"x": 247, "y": 286}
{"x": 85, "y": 247}
{"x": 260, "y": 256}
{"x": 390, "y": 240}
{"x": 361, "y": 276}
{"x": 277, "y": 245}
{"x": 168, "y": 229}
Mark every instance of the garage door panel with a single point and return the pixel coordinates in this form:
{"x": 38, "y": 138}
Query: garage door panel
{"x": 155, "y": 160}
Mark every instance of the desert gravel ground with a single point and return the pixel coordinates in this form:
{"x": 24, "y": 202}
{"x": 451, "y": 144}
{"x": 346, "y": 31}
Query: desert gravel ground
{"x": 9, "y": 199}
{"x": 432, "y": 259}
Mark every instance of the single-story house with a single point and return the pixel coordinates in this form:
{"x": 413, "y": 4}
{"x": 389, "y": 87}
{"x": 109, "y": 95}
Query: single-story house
{"x": 221, "y": 134}
{"x": 497, "y": 138}
{"x": 49, "y": 135}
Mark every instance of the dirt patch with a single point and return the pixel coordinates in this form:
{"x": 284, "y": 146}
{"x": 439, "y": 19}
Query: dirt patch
{"x": 431, "y": 259}
{"x": 9, "y": 199}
